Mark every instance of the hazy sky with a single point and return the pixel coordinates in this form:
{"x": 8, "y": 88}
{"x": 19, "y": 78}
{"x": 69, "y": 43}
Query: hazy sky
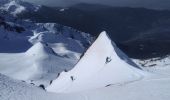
{"x": 133, "y": 3}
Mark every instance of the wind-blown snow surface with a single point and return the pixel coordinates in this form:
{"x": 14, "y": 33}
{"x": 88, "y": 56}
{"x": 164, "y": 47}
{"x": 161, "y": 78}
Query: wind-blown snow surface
{"x": 11, "y": 89}
{"x": 100, "y": 66}
{"x": 155, "y": 89}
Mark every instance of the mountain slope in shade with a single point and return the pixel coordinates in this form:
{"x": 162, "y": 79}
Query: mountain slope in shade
{"x": 16, "y": 7}
{"x": 99, "y": 67}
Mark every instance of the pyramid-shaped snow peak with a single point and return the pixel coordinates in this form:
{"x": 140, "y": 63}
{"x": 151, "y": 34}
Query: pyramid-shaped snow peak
{"x": 102, "y": 65}
{"x": 40, "y": 49}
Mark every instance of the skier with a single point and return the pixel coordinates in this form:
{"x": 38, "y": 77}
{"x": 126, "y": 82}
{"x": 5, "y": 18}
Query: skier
{"x": 72, "y": 78}
{"x": 108, "y": 59}
{"x": 51, "y": 82}
{"x": 42, "y": 86}
{"x": 58, "y": 75}
{"x": 65, "y": 70}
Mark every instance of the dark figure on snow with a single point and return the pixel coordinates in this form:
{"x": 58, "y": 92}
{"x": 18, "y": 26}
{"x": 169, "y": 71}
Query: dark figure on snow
{"x": 46, "y": 44}
{"x": 32, "y": 83}
{"x": 51, "y": 82}
{"x": 72, "y": 78}
{"x": 108, "y": 59}
{"x": 65, "y": 70}
{"x": 58, "y": 75}
{"x": 108, "y": 85}
{"x": 42, "y": 86}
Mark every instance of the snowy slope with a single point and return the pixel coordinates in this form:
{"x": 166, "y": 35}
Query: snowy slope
{"x": 11, "y": 89}
{"x": 94, "y": 71}
{"x": 13, "y": 38}
{"x": 39, "y": 63}
{"x": 159, "y": 65}
{"x": 155, "y": 89}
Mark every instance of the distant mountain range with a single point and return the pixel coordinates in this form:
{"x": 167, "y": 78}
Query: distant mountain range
{"x": 123, "y": 24}
{"x": 130, "y": 28}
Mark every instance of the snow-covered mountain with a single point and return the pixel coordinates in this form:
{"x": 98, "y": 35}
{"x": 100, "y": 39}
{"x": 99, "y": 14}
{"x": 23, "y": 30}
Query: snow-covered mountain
{"x": 14, "y": 29}
{"x": 102, "y": 65}
{"x": 39, "y": 58}
{"x": 16, "y": 7}
{"x": 133, "y": 82}
{"x": 45, "y": 49}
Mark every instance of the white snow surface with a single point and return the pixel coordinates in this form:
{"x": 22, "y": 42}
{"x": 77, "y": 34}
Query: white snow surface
{"x": 39, "y": 64}
{"x": 137, "y": 85}
{"x": 154, "y": 87}
{"x": 160, "y": 65}
{"x": 93, "y": 71}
